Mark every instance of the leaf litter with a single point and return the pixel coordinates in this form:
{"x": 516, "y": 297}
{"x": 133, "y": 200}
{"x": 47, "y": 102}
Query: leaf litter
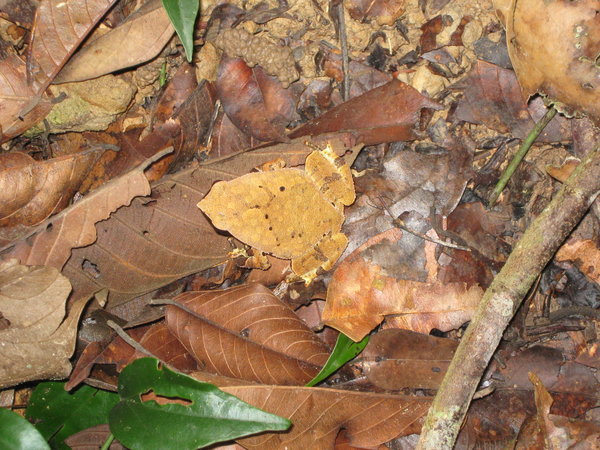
{"x": 434, "y": 101}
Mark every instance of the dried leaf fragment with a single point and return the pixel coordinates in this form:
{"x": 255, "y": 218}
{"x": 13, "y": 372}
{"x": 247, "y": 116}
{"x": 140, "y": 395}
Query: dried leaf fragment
{"x": 290, "y": 213}
{"x": 36, "y": 342}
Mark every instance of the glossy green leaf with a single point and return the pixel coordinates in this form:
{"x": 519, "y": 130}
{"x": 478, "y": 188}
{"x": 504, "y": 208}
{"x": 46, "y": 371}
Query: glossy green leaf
{"x": 58, "y": 414}
{"x": 207, "y": 415}
{"x": 183, "y": 15}
{"x": 345, "y": 349}
{"x": 17, "y": 433}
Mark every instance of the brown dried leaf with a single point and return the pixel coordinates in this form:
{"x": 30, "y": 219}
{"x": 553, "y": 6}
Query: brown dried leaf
{"x": 138, "y": 39}
{"x": 19, "y": 110}
{"x": 255, "y": 102}
{"x": 492, "y": 97}
{"x": 30, "y": 190}
{"x": 319, "y": 414}
{"x": 51, "y": 243}
{"x": 59, "y": 27}
{"x": 396, "y": 359}
{"x": 385, "y": 12}
{"x": 371, "y": 283}
{"x": 37, "y": 343}
{"x": 246, "y": 332}
{"x": 566, "y": 67}
{"x": 584, "y": 254}
{"x": 385, "y": 114}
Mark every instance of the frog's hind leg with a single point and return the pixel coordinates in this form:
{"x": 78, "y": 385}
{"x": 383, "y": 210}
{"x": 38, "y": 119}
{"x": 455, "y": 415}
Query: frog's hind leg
{"x": 322, "y": 256}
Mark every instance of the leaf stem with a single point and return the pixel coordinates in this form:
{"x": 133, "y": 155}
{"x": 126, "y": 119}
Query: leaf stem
{"x": 523, "y": 149}
{"x": 109, "y": 440}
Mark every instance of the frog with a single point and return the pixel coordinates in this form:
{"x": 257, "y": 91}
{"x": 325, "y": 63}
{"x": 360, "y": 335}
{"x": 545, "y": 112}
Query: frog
{"x": 289, "y": 213}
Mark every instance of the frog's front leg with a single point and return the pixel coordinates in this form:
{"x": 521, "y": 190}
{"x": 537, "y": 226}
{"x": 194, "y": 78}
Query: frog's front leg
{"x": 322, "y": 255}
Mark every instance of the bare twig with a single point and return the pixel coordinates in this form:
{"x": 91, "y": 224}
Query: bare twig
{"x": 129, "y": 340}
{"x": 499, "y": 303}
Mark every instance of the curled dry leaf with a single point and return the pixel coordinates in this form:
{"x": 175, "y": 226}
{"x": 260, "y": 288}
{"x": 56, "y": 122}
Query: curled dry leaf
{"x": 138, "y": 39}
{"x": 246, "y": 332}
{"x": 51, "y": 242}
{"x": 385, "y": 12}
{"x": 255, "y": 102}
{"x": 385, "y": 114}
{"x": 30, "y": 190}
{"x": 371, "y": 283}
{"x": 36, "y": 341}
{"x": 566, "y": 67}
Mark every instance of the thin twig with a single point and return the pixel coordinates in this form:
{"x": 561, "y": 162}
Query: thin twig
{"x": 523, "y": 149}
{"x": 128, "y": 339}
{"x": 168, "y": 301}
{"x": 344, "y": 46}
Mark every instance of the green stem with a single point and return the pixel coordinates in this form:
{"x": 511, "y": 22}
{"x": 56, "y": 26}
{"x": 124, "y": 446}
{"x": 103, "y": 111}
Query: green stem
{"x": 523, "y": 149}
{"x": 109, "y": 440}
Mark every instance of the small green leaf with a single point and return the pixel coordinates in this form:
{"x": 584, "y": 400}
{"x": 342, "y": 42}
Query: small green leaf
{"x": 208, "y": 415}
{"x": 182, "y": 14}
{"x": 59, "y": 414}
{"x": 345, "y": 349}
{"x": 17, "y": 433}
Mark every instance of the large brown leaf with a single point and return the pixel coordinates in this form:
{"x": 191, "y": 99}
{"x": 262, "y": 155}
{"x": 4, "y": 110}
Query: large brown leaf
{"x": 385, "y": 12}
{"x": 30, "y": 190}
{"x": 319, "y": 414}
{"x": 385, "y": 114}
{"x": 161, "y": 239}
{"x": 246, "y": 332}
{"x": 36, "y": 341}
{"x": 138, "y": 39}
{"x": 389, "y": 275}
{"x": 50, "y": 243}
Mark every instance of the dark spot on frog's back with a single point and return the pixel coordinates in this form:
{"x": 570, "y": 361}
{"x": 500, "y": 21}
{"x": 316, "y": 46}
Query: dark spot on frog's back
{"x": 282, "y": 188}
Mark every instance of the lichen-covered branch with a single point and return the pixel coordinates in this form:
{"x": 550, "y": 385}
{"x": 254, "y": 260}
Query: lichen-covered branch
{"x": 501, "y": 300}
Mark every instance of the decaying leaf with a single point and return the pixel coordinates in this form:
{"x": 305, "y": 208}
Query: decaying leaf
{"x": 584, "y": 254}
{"x": 566, "y": 67}
{"x": 371, "y": 283}
{"x": 289, "y": 213}
{"x": 246, "y": 332}
{"x": 30, "y": 190}
{"x": 138, "y": 39}
{"x": 36, "y": 341}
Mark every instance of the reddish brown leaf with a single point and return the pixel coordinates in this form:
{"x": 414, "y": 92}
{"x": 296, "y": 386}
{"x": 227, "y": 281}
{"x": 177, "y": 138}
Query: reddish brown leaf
{"x": 92, "y": 438}
{"x": 246, "y": 332}
{"x": 228, "y": 139}
{"x": 138, "y": 39}
{"x": 384, "y": 114}
{"x": 396, "y": 359}
{"x": 385, "y": 12}
{"x": 370, "y": 284}
{"x": 254, "y": 101}
{"x": 30, "y": 190}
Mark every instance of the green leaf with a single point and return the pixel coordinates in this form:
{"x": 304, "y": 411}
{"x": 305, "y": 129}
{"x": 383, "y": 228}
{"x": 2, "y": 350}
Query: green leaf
{"x": 345, "y": 349}
{"x": 59, "y": 414}
{"x": 182, "y": 14}
{"x": 17, "y": 433}
{"x": 208, "y": 415}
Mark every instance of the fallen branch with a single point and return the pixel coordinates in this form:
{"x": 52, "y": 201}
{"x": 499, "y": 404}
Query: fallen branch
{"x": 502, "y": 299}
